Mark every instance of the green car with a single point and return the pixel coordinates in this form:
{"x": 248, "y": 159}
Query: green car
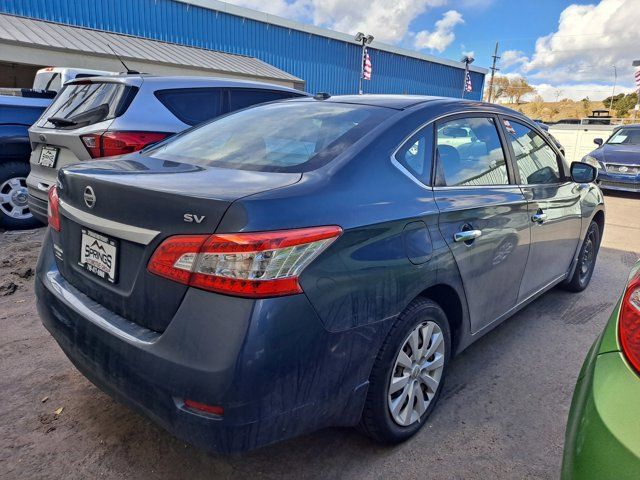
{"x": 603, "y": 431}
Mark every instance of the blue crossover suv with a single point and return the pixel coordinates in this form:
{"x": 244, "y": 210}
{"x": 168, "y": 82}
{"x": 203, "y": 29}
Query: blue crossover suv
{"x": 309, "y": 263}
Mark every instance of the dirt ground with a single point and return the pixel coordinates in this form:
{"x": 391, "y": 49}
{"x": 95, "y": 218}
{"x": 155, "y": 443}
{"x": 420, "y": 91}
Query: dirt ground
{"x": 502, "y": 413}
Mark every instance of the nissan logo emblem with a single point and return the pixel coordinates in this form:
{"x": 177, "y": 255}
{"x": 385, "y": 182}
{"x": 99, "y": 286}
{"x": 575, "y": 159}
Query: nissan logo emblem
{"x": 89, "y": 197}
{"x": 42, "y": 138}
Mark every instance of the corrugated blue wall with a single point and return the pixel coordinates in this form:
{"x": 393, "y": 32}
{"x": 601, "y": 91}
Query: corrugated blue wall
{"x": 325, "y": 64}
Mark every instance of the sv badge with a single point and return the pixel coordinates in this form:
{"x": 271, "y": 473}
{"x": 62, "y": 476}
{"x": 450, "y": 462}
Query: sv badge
{"x": 193, "y": 218}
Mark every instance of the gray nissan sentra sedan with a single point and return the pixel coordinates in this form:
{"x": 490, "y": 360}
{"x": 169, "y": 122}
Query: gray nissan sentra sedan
{"x": 309, "y": 263}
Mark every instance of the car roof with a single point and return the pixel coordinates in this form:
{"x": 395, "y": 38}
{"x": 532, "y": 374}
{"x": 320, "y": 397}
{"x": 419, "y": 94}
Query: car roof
{"x": 399, "y": 102}
{"x": 185, "y": 81}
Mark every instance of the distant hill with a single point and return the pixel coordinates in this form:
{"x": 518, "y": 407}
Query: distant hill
{"x": 554, "y": 111}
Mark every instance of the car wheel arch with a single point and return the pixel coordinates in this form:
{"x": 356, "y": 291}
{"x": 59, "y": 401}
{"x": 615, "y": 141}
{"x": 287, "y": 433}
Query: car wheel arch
{"x": 449, "y": 299}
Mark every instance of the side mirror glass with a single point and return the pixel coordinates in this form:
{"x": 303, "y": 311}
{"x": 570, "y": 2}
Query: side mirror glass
{"x": 598, "y": 141}
{"x": 583, "y": 172}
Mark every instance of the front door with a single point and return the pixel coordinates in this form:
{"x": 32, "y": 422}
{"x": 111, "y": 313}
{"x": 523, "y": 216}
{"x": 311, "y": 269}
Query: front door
{"x": 554, "y": 206}
{"x": 483, "y": 214}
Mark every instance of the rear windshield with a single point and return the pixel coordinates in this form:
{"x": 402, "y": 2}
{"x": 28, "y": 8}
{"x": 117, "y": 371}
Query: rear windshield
{"x": 83, "y": 104}
{"x": 276, "y": 137}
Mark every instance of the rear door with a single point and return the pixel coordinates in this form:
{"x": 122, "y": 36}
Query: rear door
{"x": 483, "y": 214}
{"x": 553, "y": 204}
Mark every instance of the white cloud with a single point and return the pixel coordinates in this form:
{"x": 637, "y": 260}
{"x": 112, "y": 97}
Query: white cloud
{"x": 588, "y": 41}
{"x": 511, "y": 58}
{"x": 442, "y": 36}
{"x": 386, "y": 20}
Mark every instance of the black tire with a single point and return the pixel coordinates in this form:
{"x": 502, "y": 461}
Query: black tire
{"x": 377, "y": 421}
{"x": 586, "y": 261}
{"x": 17, "y": 170}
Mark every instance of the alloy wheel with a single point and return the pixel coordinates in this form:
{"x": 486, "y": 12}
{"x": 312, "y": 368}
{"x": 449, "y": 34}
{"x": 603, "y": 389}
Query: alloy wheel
{"x": 13, "y": 198}
{"x": 416, "y": 374}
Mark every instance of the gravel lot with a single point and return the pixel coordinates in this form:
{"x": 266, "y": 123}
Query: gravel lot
{"x": 502, "y": 413}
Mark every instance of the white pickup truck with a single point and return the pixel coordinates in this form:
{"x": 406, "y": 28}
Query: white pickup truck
{"x": 19, "y": 109}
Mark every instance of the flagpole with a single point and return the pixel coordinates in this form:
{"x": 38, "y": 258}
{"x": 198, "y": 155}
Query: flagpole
{"x": 467, "y": 60}
{"x": 364, "y": 42}
{"x": 464, "y": 80}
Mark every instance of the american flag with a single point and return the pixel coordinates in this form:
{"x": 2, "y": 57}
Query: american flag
{"x": 366, "y": 68}
{"x": 467, "y": 84}
{"x": 637, "y": 75}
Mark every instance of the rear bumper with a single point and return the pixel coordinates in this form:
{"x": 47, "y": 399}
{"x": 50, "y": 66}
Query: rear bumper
{"x": 38, "y": 208}
{"x": 270, "y": 364}
{"x": 602, "y": 432}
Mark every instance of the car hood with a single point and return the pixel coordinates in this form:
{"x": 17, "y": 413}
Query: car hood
{"x": 622, "y": 154}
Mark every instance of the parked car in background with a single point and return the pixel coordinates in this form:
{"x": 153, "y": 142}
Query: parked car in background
{"x": 602, "y": 439}
{"x": 618, "y": 159}
{"x": 309, "y": 263}
{"x": 108, "y": 116}
{"x": 19, "y": 109}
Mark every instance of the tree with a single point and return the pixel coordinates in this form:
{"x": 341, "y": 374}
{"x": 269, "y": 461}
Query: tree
{"x": 511, "y": 89}
{"x": 520, "y": 88}
{"x": 586, "y": 106}
{"x": 622, "y": 103}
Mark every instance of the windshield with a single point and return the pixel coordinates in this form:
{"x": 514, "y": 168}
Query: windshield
{"x": 81, "y": 104}
{"x": 47, "y": 81}
{"x": 627, "y": 136}
{"x": 276, "y": 137}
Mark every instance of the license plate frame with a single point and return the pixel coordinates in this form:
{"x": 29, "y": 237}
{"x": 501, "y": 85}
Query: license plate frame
{"x": 48, "y": 156}
{"x": 99, "y": 255}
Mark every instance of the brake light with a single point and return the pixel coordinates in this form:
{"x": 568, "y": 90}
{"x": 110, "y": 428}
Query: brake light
{"x": 108, "y": 144}
{"x": 53, "y": 209}
{"x": 203, "y": 407}
{"x": 256, "y": 265}
{"x": 629, "y": 323}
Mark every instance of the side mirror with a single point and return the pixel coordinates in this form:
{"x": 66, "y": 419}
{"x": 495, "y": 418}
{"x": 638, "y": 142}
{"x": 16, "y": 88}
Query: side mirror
{"x": 598, "y": 141}
{"x": 583, "y": 172}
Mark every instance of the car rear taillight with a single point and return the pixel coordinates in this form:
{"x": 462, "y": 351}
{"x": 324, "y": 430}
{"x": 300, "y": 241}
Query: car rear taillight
{"x": 256, "y": 265}
{"x": 629, "y": 322}
{"x": 108, "y": 144}
{"x": 53, "y": 209}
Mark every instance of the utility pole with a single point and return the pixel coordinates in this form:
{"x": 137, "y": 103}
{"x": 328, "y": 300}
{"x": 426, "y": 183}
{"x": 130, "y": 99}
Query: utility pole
{"x": 493, "y": 73}
{"x": 615, "y": 80}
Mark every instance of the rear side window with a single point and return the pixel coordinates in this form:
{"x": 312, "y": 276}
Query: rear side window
{"x": 240, "y": 98}
{"x": 275, "y": 137}
{"x": 537, "y": 161}
{"x": 469, "y": 152}
{"x": 192, "y": 105}
{"x": 415, "y": 155}
{"x": 83, "y": 104}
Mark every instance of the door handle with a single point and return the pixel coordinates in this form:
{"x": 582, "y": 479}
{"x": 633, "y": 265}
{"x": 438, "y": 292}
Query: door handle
{"x": 466, "y": 235}
{"x": 43, "y": 187}
{"x": 539, "y": 217}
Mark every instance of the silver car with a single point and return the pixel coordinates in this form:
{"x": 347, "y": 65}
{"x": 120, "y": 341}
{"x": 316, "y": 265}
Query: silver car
{"x": 107, "y": 116}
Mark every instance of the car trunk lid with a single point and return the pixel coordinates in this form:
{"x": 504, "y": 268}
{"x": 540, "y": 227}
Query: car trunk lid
{"x": 130, "y": 205}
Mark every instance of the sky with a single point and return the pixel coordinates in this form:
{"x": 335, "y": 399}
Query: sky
{"x": 564, "y": 48}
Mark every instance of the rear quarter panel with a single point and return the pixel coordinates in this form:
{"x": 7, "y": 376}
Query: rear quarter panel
{"x": 365, "y": 276}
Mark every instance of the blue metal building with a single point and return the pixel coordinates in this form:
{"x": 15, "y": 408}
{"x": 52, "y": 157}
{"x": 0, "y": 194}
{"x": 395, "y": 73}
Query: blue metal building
{"x": 326, "y": 60}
